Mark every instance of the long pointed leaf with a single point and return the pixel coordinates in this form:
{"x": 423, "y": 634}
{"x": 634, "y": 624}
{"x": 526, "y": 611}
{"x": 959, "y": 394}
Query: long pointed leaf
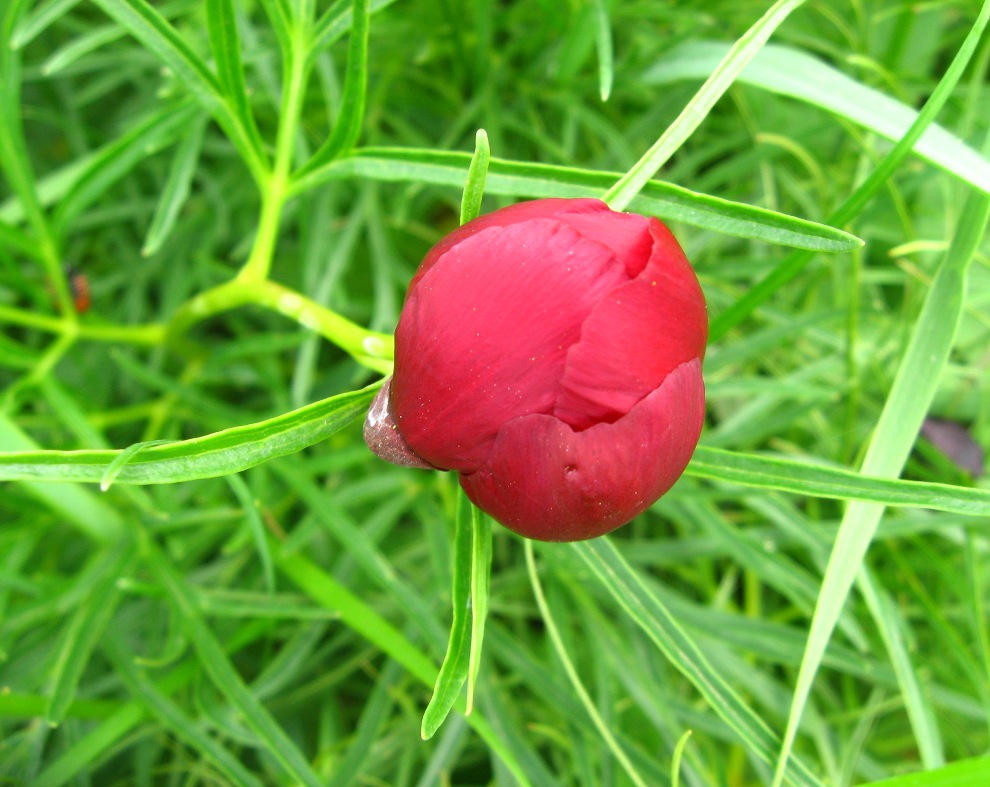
{"x": 523, "y": 179}
{"x": 229, "y": 451}
{"x": 910, "y": 397}
{"x": 736, "y": 59}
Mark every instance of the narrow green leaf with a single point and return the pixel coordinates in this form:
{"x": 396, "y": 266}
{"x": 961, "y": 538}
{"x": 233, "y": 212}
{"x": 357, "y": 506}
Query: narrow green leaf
{"x": 372, "y": 560}
{"x": 803, "y": 478}
{"x": 893, "y": 628}
{"x": 86, "y": 626}
{"x": 675, "y": 761}
{"x": 966, "y": 773}
{"x": 115, "y": 723}
{"x": 347, "y": 126}
{"x": 122, "y": 459}
{"x": 374, "y": 715}
{"x": 337, "y": 20}
{"x": 80, "y": 46}
{"x": 15, "y": 161}
{"x": 481, "y": 575}
{"x": 279, "y": 18}
{"x": 225, "y": 42}
{"x": 910, "y": 397}
{"x": 79, "y": 506}
{"x": 797, "y": 74}
{"x": 176, "y": 189}
{"x": 603, "y": 46}
{"x": 257, "y": 527}
{"x": 523, "y": 179}
{"x": 185, "y": 729}
{"x": 366, "y": 622}
{"x": 795, "y": 263}
{"x": 153, "y": 30}
{"x": 657, "y": 621}
{"x": 221, "y": 672}
{"x": 572, "y": 675}
{"x": 220, "y": 453}
{"x": 76, "y": 760}
{"x": 742, "y": 52}
{"x": 19, "y": 241}
{"x": 474, "y": 186}
{"x": 454, "y": 670}
{"x": 117, "y": 159}
{"x": 35, "y": 23}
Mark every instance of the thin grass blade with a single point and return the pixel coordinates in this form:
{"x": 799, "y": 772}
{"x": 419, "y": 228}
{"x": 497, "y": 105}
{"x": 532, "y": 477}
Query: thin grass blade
{"x": 176, "y": 189}
{"x": 763, "y": 290}
{"x": 797, "y": 74}
{"x": 650, "y": 614}
{"x": 225, "y": 42}
{"x": 154, "y": 31}
{"x": 356, "y": 614}
{"x": 603, "y": 47}
{"x": 910, "y": 397}
{"x": 118, "y": 158}
{"x": 41, "y": 18}
{"x": 803, "y": 478}
{"x": 185, "y": 729}
{"x": 84, "y": 629}
{"x": 218, "y": 667}
{"x": 80, "y": 507}
{"x": 253, "y": 518}
{"x": 347, "y": 126}
{"x": 742, "y": 52}
{"x": 525, "y": 179}
{"x": 572, "y": 675}
{"x": 481, "y": 575}
{"x": 456, "y": 662}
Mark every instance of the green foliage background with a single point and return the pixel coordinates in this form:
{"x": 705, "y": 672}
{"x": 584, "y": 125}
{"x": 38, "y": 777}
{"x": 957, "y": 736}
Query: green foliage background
{"x": 256, "y": 600}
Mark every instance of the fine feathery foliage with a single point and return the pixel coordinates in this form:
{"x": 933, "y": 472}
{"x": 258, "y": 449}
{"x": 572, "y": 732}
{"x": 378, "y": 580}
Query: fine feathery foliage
{"x": 209, "y": 213}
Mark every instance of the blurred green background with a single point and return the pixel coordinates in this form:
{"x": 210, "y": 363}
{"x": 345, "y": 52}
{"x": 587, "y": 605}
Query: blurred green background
{"x": 246, "y": 189}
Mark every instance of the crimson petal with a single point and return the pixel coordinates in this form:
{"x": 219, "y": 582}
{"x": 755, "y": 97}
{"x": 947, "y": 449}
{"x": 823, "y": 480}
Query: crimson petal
{"x": 512, "y": 214}
{"x": 548, "y": 482}
{"x": 634, "y": 338}
{"x": 484, "y": 335}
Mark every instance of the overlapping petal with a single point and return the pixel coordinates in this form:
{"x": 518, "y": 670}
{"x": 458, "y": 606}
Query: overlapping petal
{"x": 546, "y": 481}
{"x": 484, "y": 335}
{"x": 634, "y": 338}
{"x": 550, "y": 353}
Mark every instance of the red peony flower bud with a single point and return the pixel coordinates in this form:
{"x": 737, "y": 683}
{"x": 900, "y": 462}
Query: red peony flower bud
{"x": 550, "y": 353}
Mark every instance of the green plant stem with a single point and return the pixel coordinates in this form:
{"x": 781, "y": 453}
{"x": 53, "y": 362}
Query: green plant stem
{"x": 259, "y": 262}
{"x": 148, "y": 334}
{"x": 274, "y": 191}
{"x": 370, "y": 348}
{"x": 15, "y": 162}
{"x": 41, "y": 369}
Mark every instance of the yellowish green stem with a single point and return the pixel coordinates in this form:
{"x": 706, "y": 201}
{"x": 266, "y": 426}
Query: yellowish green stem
{"x": 370, "y": 348}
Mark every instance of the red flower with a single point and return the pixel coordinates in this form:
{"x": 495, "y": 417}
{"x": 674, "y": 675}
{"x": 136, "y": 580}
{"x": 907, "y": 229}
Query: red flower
{"x": 550, "y": 353}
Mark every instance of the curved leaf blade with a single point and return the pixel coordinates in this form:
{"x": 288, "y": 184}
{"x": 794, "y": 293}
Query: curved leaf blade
{"x": 220, "y": 453}
{"x": 799, "y": 75}
{"x": 521, "y": 179}
{"x": 803, "y": 478}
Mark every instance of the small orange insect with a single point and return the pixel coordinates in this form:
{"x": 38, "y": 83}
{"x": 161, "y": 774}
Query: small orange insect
{"x": 79, "y": 287}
